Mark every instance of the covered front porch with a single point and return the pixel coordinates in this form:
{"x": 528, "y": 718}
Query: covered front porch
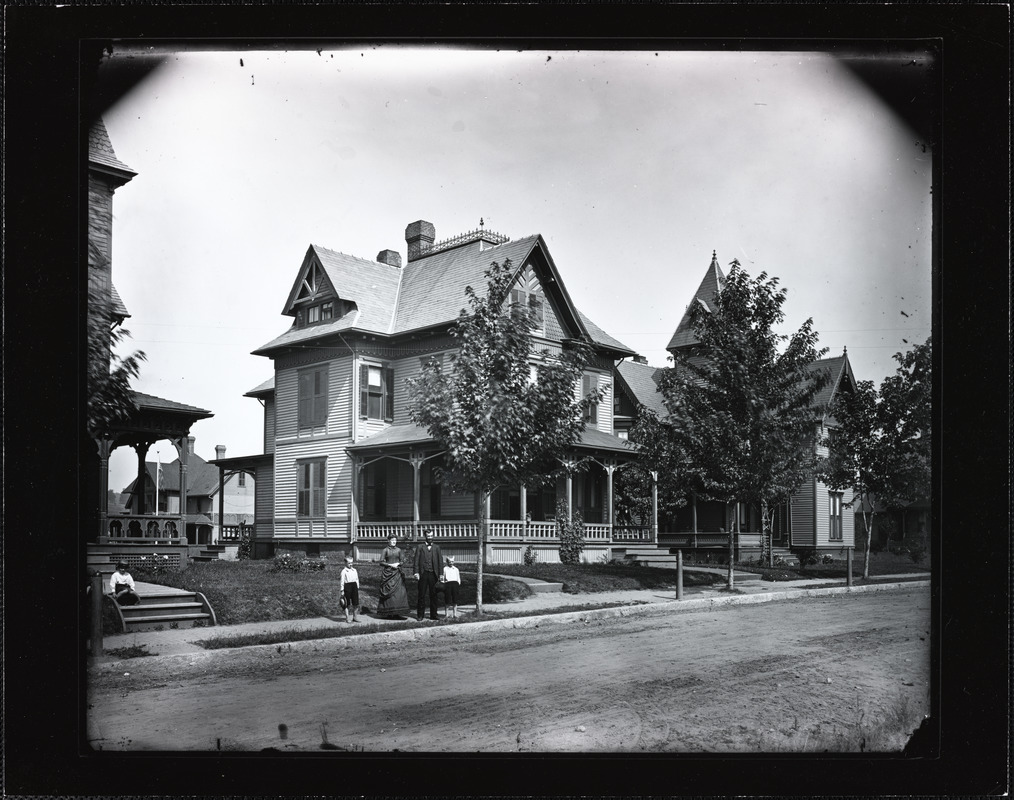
{"x": 396, "y": 492}
{"x": 152, "y": 520}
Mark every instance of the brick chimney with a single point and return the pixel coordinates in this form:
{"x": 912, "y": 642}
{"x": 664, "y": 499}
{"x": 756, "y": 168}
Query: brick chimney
{"x": 219, "y": 451}
{"x": 419, "y": 236}
{"x": 390, "y": 257}
{"x": 190, "y": 444}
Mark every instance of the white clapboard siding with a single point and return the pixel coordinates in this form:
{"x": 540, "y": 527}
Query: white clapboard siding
{"x": 264, "y": 499}
{"x": 269, "y": 424}
{"x": 340, "y": 399}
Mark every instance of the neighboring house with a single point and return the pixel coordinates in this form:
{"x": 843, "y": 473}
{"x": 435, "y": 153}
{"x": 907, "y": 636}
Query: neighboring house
{"x": 816, "y": 517}
{"x": 153, "y": 418}
{"x": 206, "y": 491}
{"x": 343, "y": 465}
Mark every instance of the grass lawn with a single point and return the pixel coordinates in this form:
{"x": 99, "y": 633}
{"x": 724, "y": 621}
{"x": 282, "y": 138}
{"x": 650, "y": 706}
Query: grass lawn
{"x": 581, "y": 578}
{"x": 883, "y": 563}
{"x": 249, "y": 591}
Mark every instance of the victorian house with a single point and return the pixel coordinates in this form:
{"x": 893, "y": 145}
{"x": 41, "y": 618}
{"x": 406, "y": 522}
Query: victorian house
{"x": 814, "y": 518}
{"x": 120, "y": 534}
{"x": 344, "y": 467}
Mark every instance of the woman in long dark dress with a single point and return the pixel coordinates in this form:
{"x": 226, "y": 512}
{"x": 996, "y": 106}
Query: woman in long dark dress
{"x": 393, "y": 595}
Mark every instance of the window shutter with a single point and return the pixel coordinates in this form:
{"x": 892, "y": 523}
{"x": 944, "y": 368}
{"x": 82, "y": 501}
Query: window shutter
{"x": 320, "y": 397}
{"x": 388, "y": 394}
{"x": 318, "y": 470}
{"x": 364, "y": 390}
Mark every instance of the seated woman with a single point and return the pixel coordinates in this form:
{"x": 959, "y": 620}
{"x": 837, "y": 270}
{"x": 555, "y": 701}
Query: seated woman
{"x": 121, "y": 586}
{"x": 393, "y": 595}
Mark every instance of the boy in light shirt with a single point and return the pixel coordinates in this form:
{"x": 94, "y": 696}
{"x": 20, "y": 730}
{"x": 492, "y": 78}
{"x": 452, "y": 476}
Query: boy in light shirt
{"x": 452, "y": 582}
{"x": 348, "y": 586}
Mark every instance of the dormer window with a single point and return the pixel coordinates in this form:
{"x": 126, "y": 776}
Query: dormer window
{"x": 311, "y": 315}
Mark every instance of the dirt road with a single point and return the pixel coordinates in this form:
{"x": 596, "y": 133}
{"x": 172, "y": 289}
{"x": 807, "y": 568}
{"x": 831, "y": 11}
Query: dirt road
{"x": 799, "y": 675}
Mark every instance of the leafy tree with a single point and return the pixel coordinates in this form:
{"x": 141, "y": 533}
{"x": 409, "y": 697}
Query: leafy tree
{"x": 741, "y": 403}
{"x": 906, "y": 419}
{"x": 497, "y": 426}
{"x": 109, "y": 375}
{"x": 659, "y": 451}
{"x": 860, "y": 456}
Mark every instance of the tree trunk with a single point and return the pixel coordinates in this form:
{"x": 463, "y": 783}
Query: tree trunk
{"x": 868, "y": 524}
{"x": 733, "y": 531}
{"x": 483, "y": 524}
{"x": 766, "y": 535}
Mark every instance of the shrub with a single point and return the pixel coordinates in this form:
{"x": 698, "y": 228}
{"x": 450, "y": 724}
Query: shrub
{"x": 570, "y": 533}
{"x": 289, "y": 562}
{"x": 530, "y": 557}
{"x": 245, "y": 550}
{"x": 827, "y": 558}
{"x": 778, "y": 575}
{"x": 807, "y": 556}
{"x": 153, "y": 566}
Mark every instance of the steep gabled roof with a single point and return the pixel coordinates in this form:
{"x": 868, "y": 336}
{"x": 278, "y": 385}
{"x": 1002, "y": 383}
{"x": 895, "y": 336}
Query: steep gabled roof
{"x": 117, "y": 308}
{"x": 101, "y": 155}
{"x": 268, "y": 387}
{"x": 202, "y": 477}
{"x": 147, "y": 401}
{"x": 841, "y": 373}
{"x": 641, "y": 382}
{"x": 428, "y": 292}
{"x": 599, "y": 336}
{"x": 705, "y": 294}
{"x": 433, "y": 289}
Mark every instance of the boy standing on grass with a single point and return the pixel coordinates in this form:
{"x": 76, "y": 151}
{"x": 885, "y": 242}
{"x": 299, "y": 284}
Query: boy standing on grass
{"x": 452, "y": 582}
{"x": 349, "y": 588}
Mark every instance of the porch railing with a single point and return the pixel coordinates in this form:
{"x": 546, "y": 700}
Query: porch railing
{"x": 498, "y": 530}
{"x": 144, "y": 529}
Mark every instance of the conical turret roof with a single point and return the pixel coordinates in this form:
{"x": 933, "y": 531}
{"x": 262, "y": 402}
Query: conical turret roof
{"x": 705, "y": 295}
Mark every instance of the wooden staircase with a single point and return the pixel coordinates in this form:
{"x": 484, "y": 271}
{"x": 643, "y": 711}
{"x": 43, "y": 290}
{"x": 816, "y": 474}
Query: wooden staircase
{"x": 160, "y": 610}
{"x": 209, "y": 552}
{"x": 100, "y": 562}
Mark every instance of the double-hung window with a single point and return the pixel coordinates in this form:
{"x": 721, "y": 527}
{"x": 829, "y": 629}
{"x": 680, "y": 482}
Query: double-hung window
{"x": 835, "y": 534}
{"x": 376, "y": 392}
{"x": 310, "y": 483}
{"x": 313, "y": 397}
{"x": 589, "y": 383}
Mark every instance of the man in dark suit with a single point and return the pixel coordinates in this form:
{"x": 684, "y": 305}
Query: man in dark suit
{"x": 428, "y": 564}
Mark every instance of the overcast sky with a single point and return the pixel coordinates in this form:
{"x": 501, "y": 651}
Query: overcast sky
{"x": 634, "y": 166}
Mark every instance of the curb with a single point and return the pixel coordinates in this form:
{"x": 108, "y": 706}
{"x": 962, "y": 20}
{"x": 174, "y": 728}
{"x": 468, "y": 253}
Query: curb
{"x": 515, "y": 623}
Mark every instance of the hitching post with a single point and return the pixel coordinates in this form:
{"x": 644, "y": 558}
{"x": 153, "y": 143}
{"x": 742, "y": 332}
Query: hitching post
{"x": 848, "y": 578}
{"x": 679, "y": 574}
{"x": 96, "y": 632}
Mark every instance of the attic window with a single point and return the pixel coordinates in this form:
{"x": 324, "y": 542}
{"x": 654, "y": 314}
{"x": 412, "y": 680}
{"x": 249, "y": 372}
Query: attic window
{"x": 528, "y": 292}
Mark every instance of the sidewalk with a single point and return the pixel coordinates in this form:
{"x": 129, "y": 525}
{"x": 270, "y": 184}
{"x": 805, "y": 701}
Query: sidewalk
{"x": 184, "y": 640}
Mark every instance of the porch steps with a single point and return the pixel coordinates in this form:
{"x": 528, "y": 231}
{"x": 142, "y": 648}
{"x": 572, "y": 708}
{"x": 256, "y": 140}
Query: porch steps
{"x": 101, "y": 563}
{"x": 665, "y": 555}
{"x": 163, "y": 609}
{"x": 209, "y": 552}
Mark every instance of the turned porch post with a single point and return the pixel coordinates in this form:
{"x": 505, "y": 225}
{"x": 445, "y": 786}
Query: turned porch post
{"x": 184, "y": 458}
{"x": 610, "y": 468}
{"x": 654, "y": 506}
{"x": 221, "y": 503}
{"x": 105, "y": 447}
{"x": 354, "y": 501}
{"x": 141, "y": 450}
{"x": 416, "y": 460}
{"x": 524, "y": 512}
